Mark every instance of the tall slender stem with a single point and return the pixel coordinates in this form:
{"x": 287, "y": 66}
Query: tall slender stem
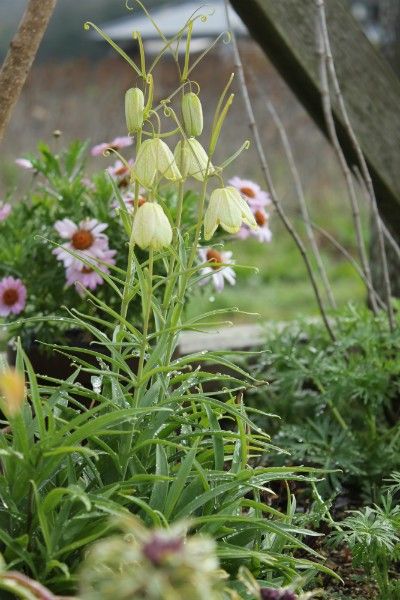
{"x": 146, "y": 321}
{"x": 131, "y": 248}
{"x": 175, "y": 236}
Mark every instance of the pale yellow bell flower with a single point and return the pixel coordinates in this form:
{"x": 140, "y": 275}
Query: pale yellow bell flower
{"x": 12, "y": 390}
{"x": 192, "y": 159}
{"x": 228, "y": 209}
{"x": 154, "y": 157}
{"x": 151, "y": 227}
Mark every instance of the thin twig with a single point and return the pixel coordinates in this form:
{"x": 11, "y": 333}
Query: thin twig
{"x": 389, "y": 237}
{"x": 351, "y": 259}
{"x": 328, "y": 113}
{"x": 266, "y": 171}
{"x": 19, "y": 59}
{"x": 302, "y": 201}
{"x": 360, "y": 156}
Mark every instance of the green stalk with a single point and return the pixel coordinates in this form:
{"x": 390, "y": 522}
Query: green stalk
{"x": 143, "y": 347}
{"x": 184, "y": 279}
{"x": 170, "y": 285}
{"x": 131, "y": 248}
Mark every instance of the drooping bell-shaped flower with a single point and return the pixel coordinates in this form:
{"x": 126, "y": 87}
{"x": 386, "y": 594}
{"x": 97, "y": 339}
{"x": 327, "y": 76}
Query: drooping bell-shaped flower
{"x": 151, "y": 227}
{"x": 192, "y": 114}
{"x": 192, "y": 159}
{"x": 228, "y": 209}
{"x": 134, "y": 109}
{"x": 153, "y": 158}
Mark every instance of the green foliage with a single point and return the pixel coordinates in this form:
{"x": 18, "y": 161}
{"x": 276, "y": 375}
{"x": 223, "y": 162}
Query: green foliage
{"x": 61, "y": 189}
{"x": 373, "y": 536}
{"x": 338, "y": 401}
{"x": 75, "y": 456}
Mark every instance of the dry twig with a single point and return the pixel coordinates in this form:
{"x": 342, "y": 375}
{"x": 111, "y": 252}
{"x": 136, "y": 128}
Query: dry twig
{"x": 351, "y": 259}
{"x": 327, "y": 62}
{"x": 267, "y": 174}
{"x": 328, "y": 113}
{"x": 302, "y": 201}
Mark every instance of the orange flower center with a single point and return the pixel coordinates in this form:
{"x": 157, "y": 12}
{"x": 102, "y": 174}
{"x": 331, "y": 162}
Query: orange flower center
{"x": 260, "y": 217}
{"x": 214, "y": 257}
{"x": 82, "y": 239}
{"x": 141, "y": 201}
{"x": 10, "y": 296}
{"x": 87, "y": 270}
{"x": 246, "y": 191}
{"x": 122, "y": 170}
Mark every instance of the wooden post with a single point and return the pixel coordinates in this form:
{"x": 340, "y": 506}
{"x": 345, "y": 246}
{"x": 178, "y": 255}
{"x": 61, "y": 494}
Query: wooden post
{"x": 19, "y": 59}
{"x": 285, "y": 29}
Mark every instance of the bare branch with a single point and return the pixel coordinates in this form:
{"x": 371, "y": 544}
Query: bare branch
{"x": 267, "y": 174}
{"x": 327, "y": 62}
{"x": 330, "y": 123}
{"x": 22, "y": 52}
{"x": 351, "y": 260}
{"x": 302, "y": 201}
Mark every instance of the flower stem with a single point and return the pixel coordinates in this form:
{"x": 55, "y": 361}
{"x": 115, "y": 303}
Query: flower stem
{"x": 143, "y": 347}
{"x": 131, "y": 248}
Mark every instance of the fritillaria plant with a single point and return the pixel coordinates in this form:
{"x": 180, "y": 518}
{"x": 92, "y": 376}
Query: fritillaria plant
{"x": 157, "y": 163}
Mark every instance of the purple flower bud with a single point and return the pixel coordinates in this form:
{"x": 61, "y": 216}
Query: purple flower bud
{"x": 274, "y": 594}
{"x": 269, "y": 594}
{"x": 158, "y": 549}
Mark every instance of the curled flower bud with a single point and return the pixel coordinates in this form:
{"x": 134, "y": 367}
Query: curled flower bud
{"x": 192, "y": 114}
{"x": 154, "y": 157}
{"x": 228, "y": 209}
{"x": 134, "y": 109}
{"x": 12, "y": 389}
{"x": 192, "y": 159}
{"x": 151, "y": 228}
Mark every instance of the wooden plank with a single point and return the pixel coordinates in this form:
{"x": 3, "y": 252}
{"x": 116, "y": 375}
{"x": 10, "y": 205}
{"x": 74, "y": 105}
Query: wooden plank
{"x": 238, "y": 337}
{"x": 285, "y": 29}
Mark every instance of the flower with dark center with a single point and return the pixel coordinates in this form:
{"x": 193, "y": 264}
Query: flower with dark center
{"x": 86, "y": 239}
{"x": 12, "y": 296}
{"x": 116, "y": 144}
{"x": 217, "y": 269}
{"x": 251, "y": 192}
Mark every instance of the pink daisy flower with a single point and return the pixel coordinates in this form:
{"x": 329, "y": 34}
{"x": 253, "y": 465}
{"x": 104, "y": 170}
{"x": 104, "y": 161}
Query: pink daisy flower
{"x": 85, "y": 277}
{"x": 116, "y": 144}
{"x": 5, "y": 210}
{"x": 121, "y": 173}
{"x": 24, "y": 163}
{"x": 262, "y": 233}
{"x": 214, "y": 270}
{"x": 12, "y": 296}
{"x": 251, "y": 192}
{"x": 86, "y": 239}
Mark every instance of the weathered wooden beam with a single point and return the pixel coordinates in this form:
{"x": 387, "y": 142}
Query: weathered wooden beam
{"x": 285, "y": 29}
